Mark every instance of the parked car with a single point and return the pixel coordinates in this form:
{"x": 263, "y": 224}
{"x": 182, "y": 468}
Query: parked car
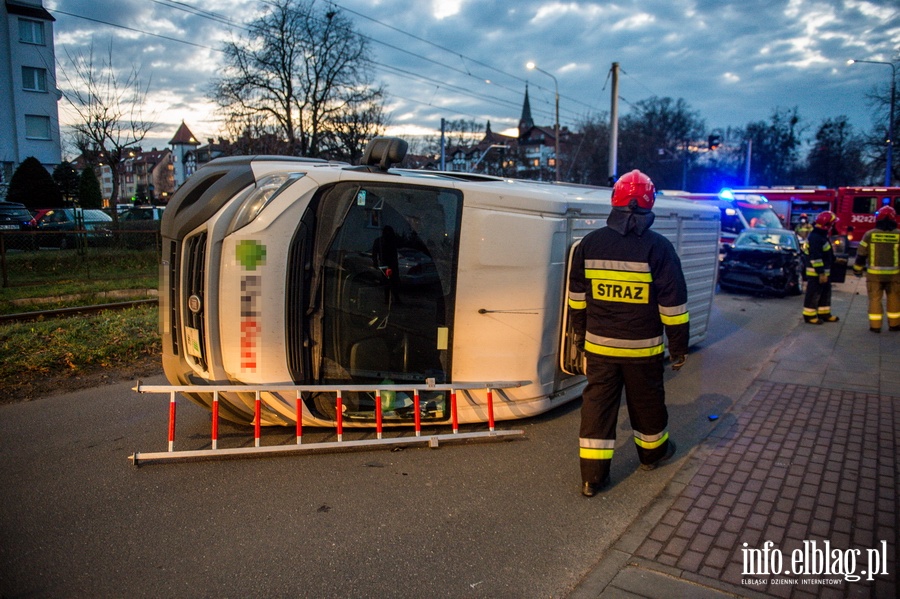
{"x": 95, "y": 224}
{"x": 140, "y": 226}
{"x": 764, "y": 261}
{"x": 15, "y": 217}
{"x": 141, "y": 217}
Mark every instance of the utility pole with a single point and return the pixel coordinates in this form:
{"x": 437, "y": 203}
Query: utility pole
{"x": 747, "y": 165}
{"x": 614, "y": 126}
{"x": 443, "y": 147}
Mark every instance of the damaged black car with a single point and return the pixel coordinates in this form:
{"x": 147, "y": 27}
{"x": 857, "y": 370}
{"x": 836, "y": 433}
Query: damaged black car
{"x": 763, "y": 261}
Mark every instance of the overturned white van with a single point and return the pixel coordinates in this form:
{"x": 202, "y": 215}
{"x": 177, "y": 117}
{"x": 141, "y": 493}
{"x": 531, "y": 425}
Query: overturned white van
{"x": 281, "y": 270}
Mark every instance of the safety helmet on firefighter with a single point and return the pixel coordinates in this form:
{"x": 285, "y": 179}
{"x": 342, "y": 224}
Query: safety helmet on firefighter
{"x": 826, "y": 219}
{"x": 886, "y": 213}
{"x": 634, "y": 186}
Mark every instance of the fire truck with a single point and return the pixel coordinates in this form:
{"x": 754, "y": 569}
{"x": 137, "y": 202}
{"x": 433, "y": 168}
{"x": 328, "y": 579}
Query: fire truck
{"x": 747, "y": 211}
{"x": 854, "y": 206}
{"x": 791, "y": 202}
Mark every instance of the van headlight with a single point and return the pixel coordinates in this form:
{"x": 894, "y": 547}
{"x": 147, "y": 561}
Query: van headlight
{"x": 267, "y": 189}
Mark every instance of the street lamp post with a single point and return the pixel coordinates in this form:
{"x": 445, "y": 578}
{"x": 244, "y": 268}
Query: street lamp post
{"x": 532, "y": 66}
{"x": 890, "y": 134}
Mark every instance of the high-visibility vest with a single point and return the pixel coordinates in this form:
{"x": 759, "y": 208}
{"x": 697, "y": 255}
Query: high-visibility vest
{"x": 879, "y": 253}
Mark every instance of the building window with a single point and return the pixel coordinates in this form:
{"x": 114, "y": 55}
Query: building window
{"x": 31, "y": 32}
{"x": 37, "y": 127}
{"x": 34, "y": 80}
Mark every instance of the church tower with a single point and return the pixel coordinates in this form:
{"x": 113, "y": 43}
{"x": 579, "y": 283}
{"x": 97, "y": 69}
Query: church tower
{"x": 184, "y": 146}
{"x": 525, "y": 122}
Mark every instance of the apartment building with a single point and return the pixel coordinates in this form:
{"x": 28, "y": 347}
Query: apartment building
{"x": 29, "y": 117}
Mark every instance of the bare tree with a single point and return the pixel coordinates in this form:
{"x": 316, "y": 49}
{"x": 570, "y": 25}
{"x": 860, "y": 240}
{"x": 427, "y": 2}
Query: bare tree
{"x": 109, "y": 107}
{"x": 835, "y": 158}
{"x": 303, "y": 70}
{"x": 776, "y": 148}
{"x": 352, "y": 130}
{"x": 875, "y": 147}
{"x": 589, "y": 151}
{"x": 655, "y": 138}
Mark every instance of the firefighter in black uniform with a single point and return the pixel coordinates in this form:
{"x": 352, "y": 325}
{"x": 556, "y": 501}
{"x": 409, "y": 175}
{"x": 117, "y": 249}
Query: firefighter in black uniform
{"x": 626, "y": 288}
{"x": 879, "y": 256}
{"x": 819, "y": 260}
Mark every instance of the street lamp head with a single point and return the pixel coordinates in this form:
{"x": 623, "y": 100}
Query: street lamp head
{"x": 851, "y": 61}
{"x": 530, "y": 65}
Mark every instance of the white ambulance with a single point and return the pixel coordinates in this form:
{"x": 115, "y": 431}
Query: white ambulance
{"x": 280, "y": 270}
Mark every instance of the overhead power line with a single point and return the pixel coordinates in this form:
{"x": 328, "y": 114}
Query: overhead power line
{"x": 119, "y": 26}
{"x": 491, "y": 99}
{"x": 454, "y": 53}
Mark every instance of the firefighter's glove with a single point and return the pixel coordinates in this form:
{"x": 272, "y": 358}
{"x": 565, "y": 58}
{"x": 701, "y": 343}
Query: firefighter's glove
{"x": 678, "y": 362}
{"x": 823, "y": 278}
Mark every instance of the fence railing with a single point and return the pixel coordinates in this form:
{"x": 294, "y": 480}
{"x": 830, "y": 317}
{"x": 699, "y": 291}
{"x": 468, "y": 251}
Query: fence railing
{"x": 30, "y": 258}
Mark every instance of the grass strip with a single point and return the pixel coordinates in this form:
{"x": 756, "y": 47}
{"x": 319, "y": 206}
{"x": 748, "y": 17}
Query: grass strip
{"x": 78, "y": 345}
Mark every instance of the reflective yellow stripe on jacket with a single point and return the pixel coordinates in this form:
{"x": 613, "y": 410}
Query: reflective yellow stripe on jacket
{"x": 619, "y": 281}
{"x": 672, "y": 315}
{"x": 577, "y": 301}
{"x": 623, "y": 348}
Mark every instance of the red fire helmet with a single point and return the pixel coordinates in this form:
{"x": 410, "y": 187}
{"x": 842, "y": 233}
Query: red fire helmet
{"x": 634, "y": 186}
{"x": 825, "y": 220}
{"x": 886, "y": 213}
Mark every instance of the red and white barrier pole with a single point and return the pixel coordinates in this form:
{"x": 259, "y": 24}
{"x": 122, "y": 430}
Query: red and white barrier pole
{"x": 339, "y": 417}
{"x": 454, "y": 416}
{"x": 299, "y": 417}
{"x": 215, "y": 420}
{"x": 418, "y": 413}
{"x": 490, "y": 402}
{"x": 378, "y": 415}
{"x": 257, "y": 429}
{"x": 172, "y": 421}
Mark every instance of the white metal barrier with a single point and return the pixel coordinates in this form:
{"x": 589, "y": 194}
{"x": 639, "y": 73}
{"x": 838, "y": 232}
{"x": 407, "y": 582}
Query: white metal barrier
{"x": 433, "y": 440}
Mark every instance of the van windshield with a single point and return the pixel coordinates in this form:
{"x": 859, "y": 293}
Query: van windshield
{"x": 759, "y": 218}
{"x": 388, "y": 284}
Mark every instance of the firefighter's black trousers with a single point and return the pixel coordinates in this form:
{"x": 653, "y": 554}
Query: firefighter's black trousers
{"x": 817, "y": 302}
{"x": 646, "y": 400}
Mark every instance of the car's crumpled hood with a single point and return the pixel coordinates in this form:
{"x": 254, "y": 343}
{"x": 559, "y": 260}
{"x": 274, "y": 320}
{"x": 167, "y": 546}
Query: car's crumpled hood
{"x": 758, "y": 258}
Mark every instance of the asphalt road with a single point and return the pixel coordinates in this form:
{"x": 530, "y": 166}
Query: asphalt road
{"x": 502, "y": 519}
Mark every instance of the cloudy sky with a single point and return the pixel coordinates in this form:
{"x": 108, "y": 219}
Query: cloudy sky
{"x": 732, "y": 62}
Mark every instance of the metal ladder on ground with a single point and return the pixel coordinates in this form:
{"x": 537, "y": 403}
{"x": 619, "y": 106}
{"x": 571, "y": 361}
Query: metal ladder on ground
{"x": 432, "y": 439}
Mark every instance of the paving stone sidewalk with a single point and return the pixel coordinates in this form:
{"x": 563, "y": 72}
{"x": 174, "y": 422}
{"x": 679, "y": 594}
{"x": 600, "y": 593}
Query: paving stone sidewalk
{"x": 795, "y": 470}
